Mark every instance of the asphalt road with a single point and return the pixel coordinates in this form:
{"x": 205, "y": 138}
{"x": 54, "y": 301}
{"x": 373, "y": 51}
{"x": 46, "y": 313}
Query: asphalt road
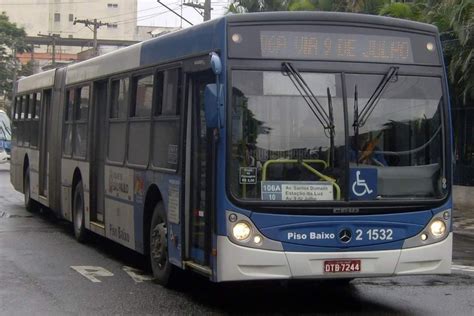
{"x": 37, "y": 253}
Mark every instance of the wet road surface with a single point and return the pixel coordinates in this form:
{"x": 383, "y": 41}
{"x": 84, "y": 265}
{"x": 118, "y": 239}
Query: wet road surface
{"x": 37, "y": 252}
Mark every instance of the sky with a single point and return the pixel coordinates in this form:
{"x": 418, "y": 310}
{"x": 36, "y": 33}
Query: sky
{"x": 151, "y": 13}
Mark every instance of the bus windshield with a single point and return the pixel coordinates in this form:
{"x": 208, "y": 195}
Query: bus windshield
{"x": 282, "y": 152}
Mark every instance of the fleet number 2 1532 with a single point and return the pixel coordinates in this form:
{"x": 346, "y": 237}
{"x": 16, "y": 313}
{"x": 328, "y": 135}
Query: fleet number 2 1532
{"x": 375, "y": 234}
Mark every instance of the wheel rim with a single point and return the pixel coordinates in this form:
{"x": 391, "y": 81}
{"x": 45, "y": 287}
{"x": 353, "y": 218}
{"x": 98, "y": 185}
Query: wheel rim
{"x": 78, "y": 211}
{"x": 159, "y": 245}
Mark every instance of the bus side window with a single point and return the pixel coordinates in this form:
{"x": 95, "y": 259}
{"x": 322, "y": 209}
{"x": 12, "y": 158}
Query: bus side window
{"x": 24, "y": 108}
{"x": 166, "y": 123}
{"x": 35, "y": 100}
{"x": 38, "y": 104}
{"x": 68, "y": 121}
{"x": 81, "y": 118}
{"x": 16, "y": 108}
{"x": 117, "y": 120}
{"x": 139, "y": 122}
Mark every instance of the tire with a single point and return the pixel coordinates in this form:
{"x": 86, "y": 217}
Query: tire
{"x": 78, "y": 215}
{"x": 30, "y": 205}
{"x": 164, "y": 272}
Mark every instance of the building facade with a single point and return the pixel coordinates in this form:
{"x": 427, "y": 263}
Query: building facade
{"x": 57, "y": 17}
{"x": 47, "y": 17}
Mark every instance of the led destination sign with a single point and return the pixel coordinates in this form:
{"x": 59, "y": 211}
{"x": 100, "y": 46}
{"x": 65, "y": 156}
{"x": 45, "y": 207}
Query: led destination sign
{"x": 335, "y": 46}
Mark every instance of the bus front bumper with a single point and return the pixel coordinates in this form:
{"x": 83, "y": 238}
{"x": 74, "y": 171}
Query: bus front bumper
{"x": 237, "y": 263}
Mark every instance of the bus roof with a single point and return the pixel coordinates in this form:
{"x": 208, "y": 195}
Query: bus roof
{"x": 120, "y": 60}
{"x": 338, "y": 17}
{"x": 37, "y": 81}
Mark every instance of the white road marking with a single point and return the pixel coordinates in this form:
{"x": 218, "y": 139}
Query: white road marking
{"x": 137, "y": 275}
{"x": 462, "y": 268}
{"x": 92, "y": 272}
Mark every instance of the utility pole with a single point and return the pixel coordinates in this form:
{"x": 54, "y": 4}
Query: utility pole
{"x": 95, "y": 26}
{"x": 206, "y": 7}
{"x": 53, "y": 38}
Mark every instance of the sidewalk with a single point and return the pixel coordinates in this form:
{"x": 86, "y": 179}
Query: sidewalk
{"x": 463, "y": 222}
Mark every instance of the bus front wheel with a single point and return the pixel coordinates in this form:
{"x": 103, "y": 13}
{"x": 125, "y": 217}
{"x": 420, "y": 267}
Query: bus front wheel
{"x": 78, "y": 213}
{"x": 163, "y": 271}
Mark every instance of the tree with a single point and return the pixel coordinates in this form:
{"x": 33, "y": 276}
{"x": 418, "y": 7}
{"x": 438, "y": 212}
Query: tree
{"x": 244, "y": 6}
{"x": 12, "y": 41}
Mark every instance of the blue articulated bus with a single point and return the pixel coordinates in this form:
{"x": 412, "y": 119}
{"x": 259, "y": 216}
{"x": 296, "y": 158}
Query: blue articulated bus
{"x": 5, "y": 137}
{"x": 256, "y": 146}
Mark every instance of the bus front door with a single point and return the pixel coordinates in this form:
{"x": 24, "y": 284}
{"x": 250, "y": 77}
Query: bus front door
{"x": 199, "y": 179}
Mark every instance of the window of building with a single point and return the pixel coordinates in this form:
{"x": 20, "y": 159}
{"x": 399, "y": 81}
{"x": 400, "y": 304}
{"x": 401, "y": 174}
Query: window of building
{"x": 112, "y": 25}
{"x": 57, "y": 17}
{"x": 71, "y": 17}
{"x": 112, "y": 5}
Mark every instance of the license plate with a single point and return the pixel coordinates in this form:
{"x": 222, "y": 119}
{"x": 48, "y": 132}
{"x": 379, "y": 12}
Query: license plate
{"x": 341, "y": 266}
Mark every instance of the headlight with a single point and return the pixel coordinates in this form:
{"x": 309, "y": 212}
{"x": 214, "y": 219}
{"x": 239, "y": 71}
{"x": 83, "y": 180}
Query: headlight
{"x": 241, "y": 230}
{"x": 437, "y": 228}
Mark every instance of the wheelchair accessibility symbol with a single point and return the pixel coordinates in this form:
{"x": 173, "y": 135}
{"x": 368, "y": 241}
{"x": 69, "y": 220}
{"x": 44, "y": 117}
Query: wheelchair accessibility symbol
{"x": 363, "y": 183}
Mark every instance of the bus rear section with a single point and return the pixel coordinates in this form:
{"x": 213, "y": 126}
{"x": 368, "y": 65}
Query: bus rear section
{"x": 338, "y": 159}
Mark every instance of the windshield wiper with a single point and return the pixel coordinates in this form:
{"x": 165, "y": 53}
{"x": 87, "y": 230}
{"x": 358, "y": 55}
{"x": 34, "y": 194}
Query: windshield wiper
{"x": 326, "y": 119}
{"x": 331, "y": 129}
{"x": 361, "y": 119}
{"x": 355, "y": 125}
{"x": 308, "y": 95}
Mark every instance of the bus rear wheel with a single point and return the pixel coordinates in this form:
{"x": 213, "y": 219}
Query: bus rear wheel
{"x": 30, "y": 205}
{"x": 78, "y": 213}
{"x": 164, "y": 272}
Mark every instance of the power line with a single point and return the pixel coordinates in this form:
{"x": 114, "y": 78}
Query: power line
{"x": 141, "y": 19}
{"x": 146, "y": 17}
{"x": 95, "y": 24}
{"x": 174, "y": 11}
{"x": 112, "y": 16}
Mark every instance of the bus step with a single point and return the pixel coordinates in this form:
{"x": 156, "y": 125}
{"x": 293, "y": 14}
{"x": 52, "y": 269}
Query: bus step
{"x": 204, "y": 270}
{"x": 98, "y": 224}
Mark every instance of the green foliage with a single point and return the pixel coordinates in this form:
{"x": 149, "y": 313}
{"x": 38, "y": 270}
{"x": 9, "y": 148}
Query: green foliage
{"x": 367, "y": 6}
{"x": 455, "y": 20}
{"x": 398, "y": 10}
{"x": 302, "y": 5}
{"x": 244, "y": 6}
{"x": 12, "y": 40}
